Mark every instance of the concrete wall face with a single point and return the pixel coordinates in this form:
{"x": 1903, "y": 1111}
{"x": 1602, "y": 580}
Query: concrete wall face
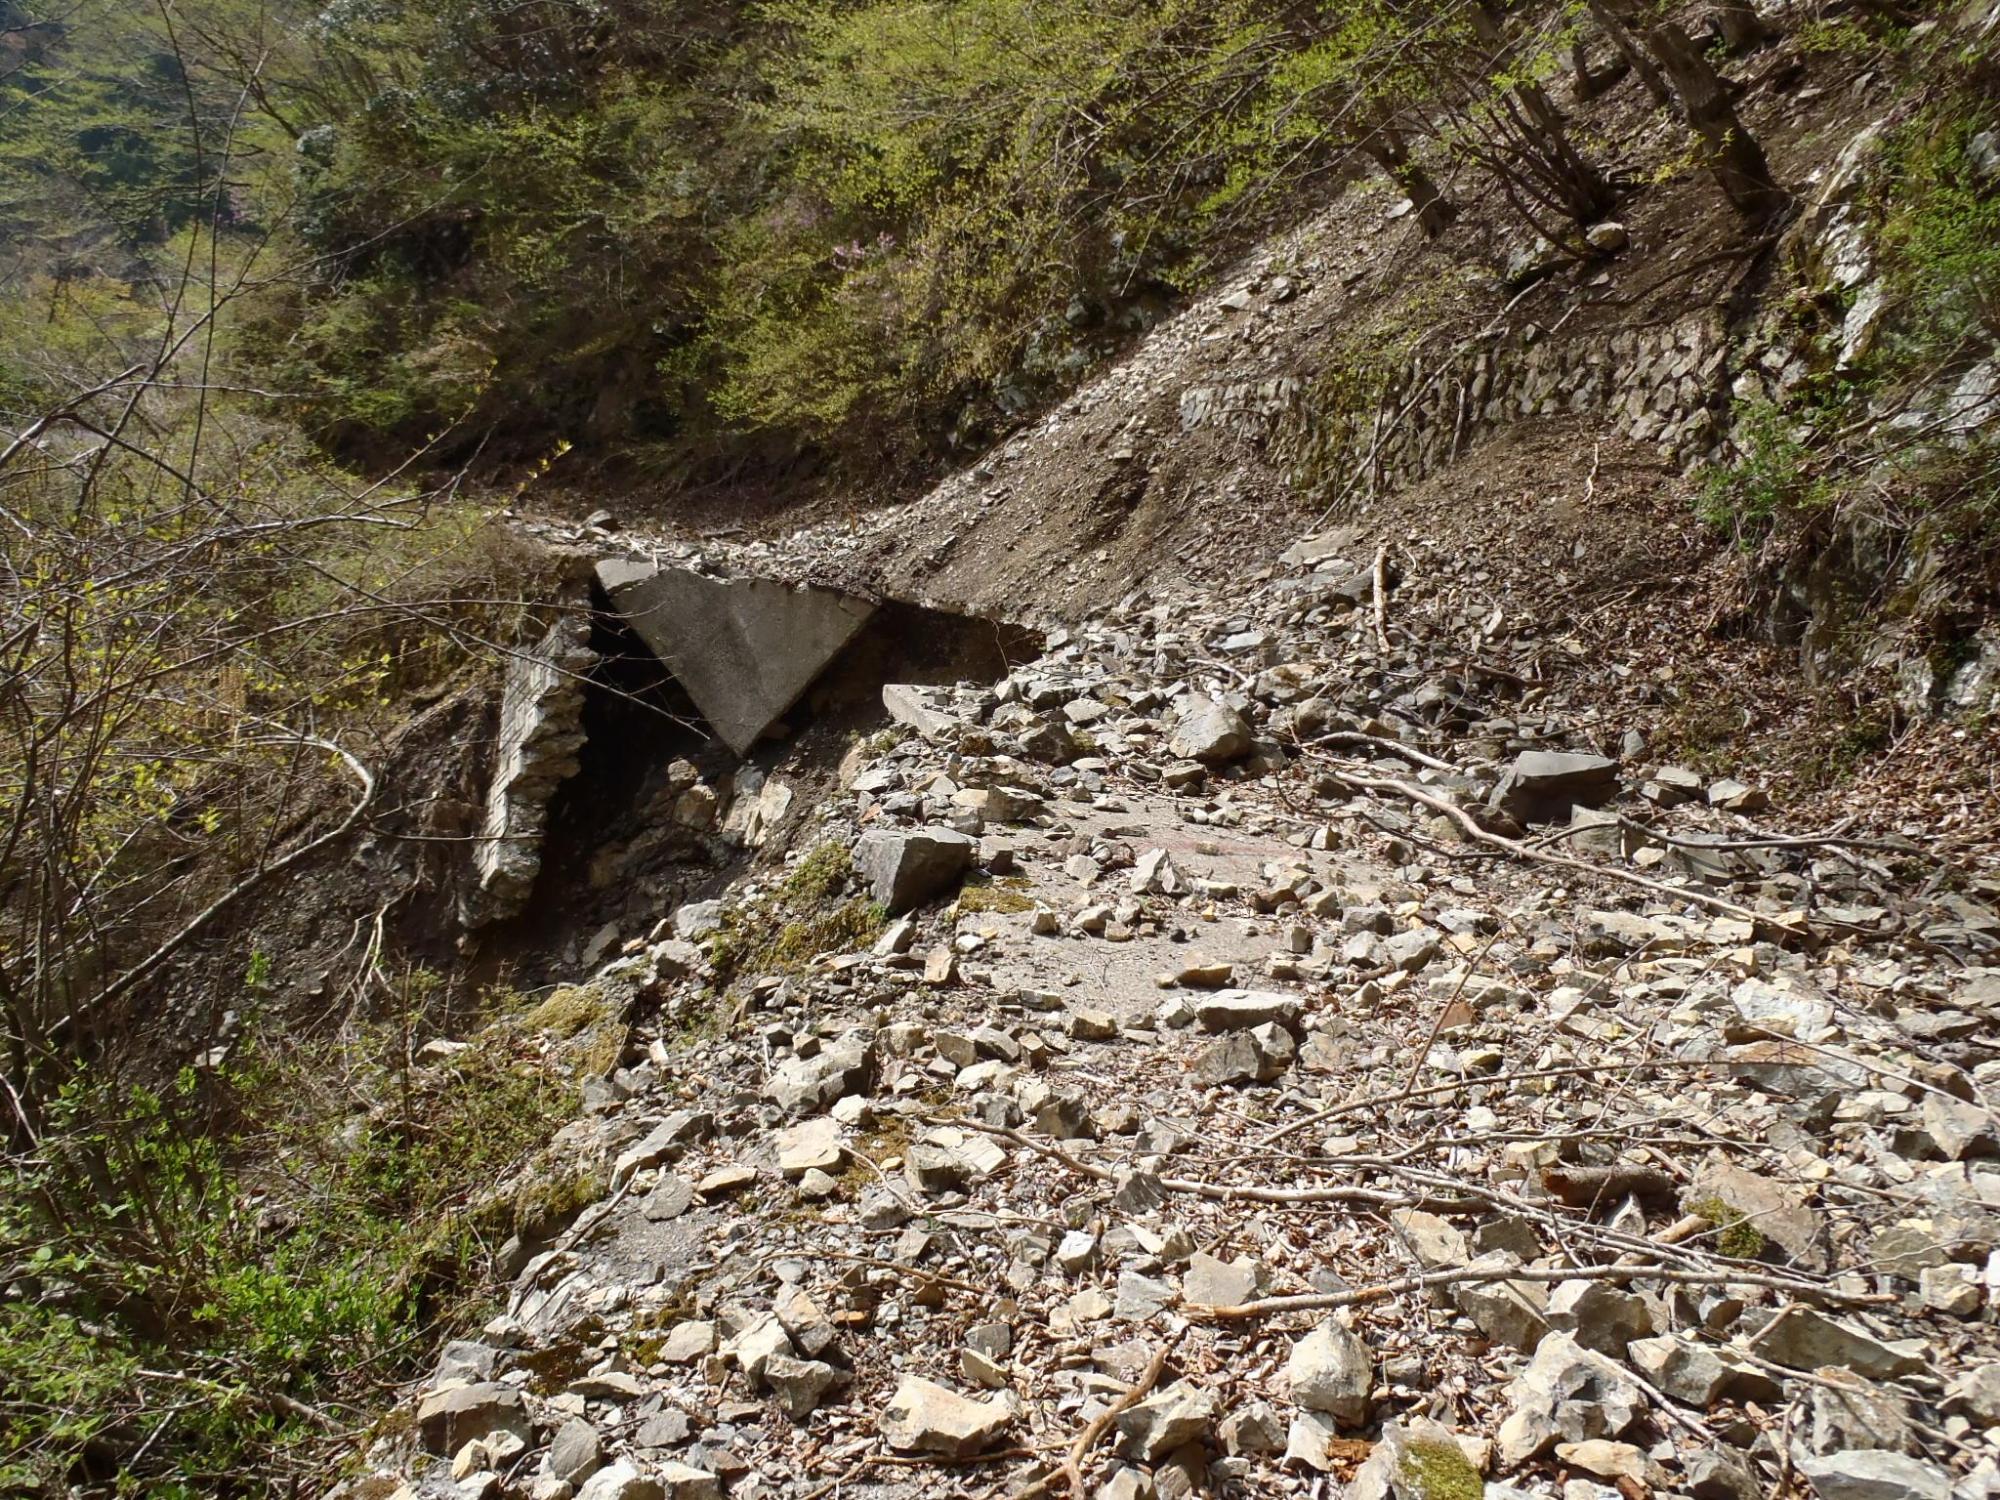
{"x": 744, "y": 649}
{"x": 541, "y": 734}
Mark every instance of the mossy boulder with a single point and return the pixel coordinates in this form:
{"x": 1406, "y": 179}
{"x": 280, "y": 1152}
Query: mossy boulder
{"x": 1417, "y": 1460}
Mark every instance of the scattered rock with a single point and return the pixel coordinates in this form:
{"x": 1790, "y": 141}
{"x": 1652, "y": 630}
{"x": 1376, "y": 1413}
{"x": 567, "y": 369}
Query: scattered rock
{"x": 1417, "y": 1459}
{"x": 1243, "y": 1010}
{"x": 574, "y": 1452}
{"x": 1874, "y": 1474}
{"x": 1600, "y": 1316}
{"x": 1543, "y": 785}
{"x": 1209, "y": 732}
{"x": 1566, "y": 1394}
{"x": 1255, "y": 1056}
{"x": 1331, "y": 1371}
{"x": 449, "y": 1419}
{"x": 1802, "y": 1339}
{"x": 816, "y": 1144}
{"x": 924, "y": 1417}
{"x": 1165, "y": 1421}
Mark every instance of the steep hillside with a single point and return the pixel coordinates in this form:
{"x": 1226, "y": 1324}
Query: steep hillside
{"x": 1390, "y": 888}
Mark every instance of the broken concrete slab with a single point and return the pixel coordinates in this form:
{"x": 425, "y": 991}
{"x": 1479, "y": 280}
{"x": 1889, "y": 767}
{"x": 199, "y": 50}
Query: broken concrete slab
{"x": 539, "y": 739}
{"x": 744, "y": 648}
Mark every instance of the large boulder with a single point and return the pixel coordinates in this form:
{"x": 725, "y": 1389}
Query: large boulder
{"x": 1543, "y": 785}
{"x": 449, "y": 1419}
{"x": 1210, "y": 732}
{"x": 905, "y": 868}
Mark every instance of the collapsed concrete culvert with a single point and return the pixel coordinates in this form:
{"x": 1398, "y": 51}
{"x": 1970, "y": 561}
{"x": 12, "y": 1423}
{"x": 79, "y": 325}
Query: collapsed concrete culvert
{"x": 667, "y": 750}
{"x": 744, "y": 648}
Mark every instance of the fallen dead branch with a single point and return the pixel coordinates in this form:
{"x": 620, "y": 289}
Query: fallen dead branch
{"x": 1072, "y": 1466}
{"x": 1357, "y": 781}
{"x": 1222, "y": 1192}
{"x": 1477, "y": 1273}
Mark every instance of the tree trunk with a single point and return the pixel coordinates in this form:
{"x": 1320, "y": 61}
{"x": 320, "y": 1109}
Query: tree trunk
{"x": 1588, "y": 84}
{"x": 1734, "y": 156}
{"x": 1386, "y": 149}
{"x": 1587, "y": 196}
{"x": 1614, "y": 28}
{"x": 1742, "y": 27}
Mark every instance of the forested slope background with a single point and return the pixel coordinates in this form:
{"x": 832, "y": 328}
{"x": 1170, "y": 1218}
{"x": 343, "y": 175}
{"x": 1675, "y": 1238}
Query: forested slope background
{"x": 295, "y": 301}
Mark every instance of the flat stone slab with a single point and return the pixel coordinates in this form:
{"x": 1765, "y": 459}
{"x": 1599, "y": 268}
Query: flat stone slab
{"x": 744, "y": 648}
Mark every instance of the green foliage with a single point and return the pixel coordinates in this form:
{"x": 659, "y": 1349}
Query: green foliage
{"x": 823, "y": 872}
{"x": 966, "y": 191}
{"x": 994, "y": 896}
{"x": 1941, "y": 231}
{"x": 1842, "y": 36}
{"x": 234, "y": 1235}
{"x": 1774, "y": 472}
{"x": 1440, "y": 1471}
{"x": 803, "y": 919}
{"x": 877, "y": 226}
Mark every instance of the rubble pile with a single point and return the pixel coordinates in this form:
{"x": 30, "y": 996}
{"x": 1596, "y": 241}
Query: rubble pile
{"x": 1295, "y": 1053}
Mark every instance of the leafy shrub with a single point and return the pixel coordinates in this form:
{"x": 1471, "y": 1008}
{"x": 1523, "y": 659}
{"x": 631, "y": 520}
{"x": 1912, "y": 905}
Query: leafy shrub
{"x": 1774, "y": 472}
{"x": 235, "y": 1235}
{"x": 1941, "y": 230}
